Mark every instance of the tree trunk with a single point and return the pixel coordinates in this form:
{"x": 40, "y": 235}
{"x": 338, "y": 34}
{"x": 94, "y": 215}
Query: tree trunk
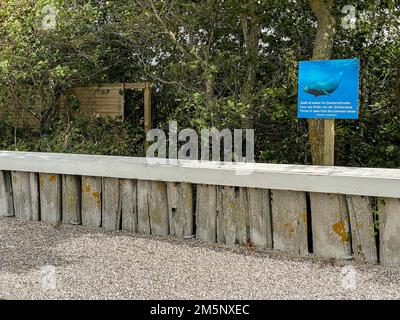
{"x": 398, "y": 89}
{"x": 251, "y": 34}
{"x": 322, "y": 51}
{"x": 209, "y": 95}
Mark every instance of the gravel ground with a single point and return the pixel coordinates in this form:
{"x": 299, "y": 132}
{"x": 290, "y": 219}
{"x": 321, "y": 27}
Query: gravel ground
{"x": 39, "y": 261}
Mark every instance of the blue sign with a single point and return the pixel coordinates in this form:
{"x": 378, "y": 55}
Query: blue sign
{"x": 328, "y": 89}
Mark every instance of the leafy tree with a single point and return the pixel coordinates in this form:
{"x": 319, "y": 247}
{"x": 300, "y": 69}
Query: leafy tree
{"x": 222, "y": 63}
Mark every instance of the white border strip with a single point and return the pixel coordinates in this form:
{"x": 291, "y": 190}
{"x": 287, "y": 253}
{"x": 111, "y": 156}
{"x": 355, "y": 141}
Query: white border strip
{"x": 343, "y": 180}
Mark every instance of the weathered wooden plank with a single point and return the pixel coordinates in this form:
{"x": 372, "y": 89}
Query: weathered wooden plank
{"x": 330, "y": 225}
{"x": 143, "y": 190}
{"x": 158, "y": 209}
{"x": 111, "y": 211}
{"x": 289, "y": 221}
{"x": 4, "y": 207}
{"x": 362, "y": 229}
{"x": 259, "y": 218}
{"x": 180, "y": 207}
{"x": 25, "y": 195}
{"x": 232, "y": 223}
{"x": 206, "y": 213}
{"x": 129, "y": 208}
{"x": 71, "y": 200}
{"x": 22, "y": 195}
{"x": 6, "y": 200}
{"x": 389, "y": 235}
{"x": 35, "y": 196}
{"x": 50, "y": 197}
{"x": 220, "y": 216}
{"x": 91, "y": 202}
{"x": 153, "y": 208}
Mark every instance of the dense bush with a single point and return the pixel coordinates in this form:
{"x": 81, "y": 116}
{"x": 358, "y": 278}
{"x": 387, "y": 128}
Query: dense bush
{"x": 85, "y": 135}
{"x": 224, "y": 64}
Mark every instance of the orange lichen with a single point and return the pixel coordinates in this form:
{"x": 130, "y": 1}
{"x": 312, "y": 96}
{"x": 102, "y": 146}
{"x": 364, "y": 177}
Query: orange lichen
{"x": 53, "y": 178}
{"x": 86, "y": 187}
{"x": 289, "y": 228}
{"x": 340, "y": 230}
{"x": 96, "y": 195}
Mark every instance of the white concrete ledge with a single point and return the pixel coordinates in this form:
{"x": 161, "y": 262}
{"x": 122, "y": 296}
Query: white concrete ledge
{"x": 343, "y": 180}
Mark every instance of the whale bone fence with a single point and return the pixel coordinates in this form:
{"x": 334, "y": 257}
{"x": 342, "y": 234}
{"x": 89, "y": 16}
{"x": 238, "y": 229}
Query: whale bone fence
{"x": 334, "y": 212}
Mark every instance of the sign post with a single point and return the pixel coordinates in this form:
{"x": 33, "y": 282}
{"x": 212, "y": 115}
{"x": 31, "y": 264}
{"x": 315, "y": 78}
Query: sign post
{"x": 328, "y": 89}
{"x": 329, "y": 142}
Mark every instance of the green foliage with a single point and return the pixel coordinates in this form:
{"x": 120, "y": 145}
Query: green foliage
{"x": 199, "y": 57}
{"x": 82, "y": 135}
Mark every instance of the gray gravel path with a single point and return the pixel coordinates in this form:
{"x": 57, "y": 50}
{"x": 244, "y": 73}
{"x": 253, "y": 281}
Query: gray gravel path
{"x": 39, "y": 261}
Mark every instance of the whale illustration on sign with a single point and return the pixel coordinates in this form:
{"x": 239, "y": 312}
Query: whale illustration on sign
{"x": 324, "y": 88}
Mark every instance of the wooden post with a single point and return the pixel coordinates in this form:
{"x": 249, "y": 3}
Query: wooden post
{"x": 232, "y": 218}
{"x": 152, "y": 205}
{"x": 180, "y": 207}
{"x": 206, "y": 213}
{"x": 25, "y": 195}
{"x": 6, "y": 198}
{"x": 129, "y": 209}
{"x": 329, "y": 142}
{"x": 71, "y": 199}
{"x": 143, "y": 217}
{"x": 147, "y": 107}
{"x": 91, "y": 201}
{"x": 289, "y": 216}
{"x": 389, "y": 225}
{"x": 260, "y": 223}
{"x": 111, "y": 204}
{"x": 362, "y": 229}
{"x": 330, "y": 225}
{"x": 50, "y": 198}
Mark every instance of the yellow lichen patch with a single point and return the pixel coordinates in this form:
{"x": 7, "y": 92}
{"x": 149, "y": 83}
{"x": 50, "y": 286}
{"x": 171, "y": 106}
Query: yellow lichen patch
{"x": 86, "y": 187}
{"x": 41, "y": 180}
{"x": 303, "y": 217}
{"x": 96, "y": 195}
{"x": 188, "y": 199}
{"x": 69, "y": 201}
{"x": 160, "y": 186}
{"x": 340, "y": 230}
{"x": 240, "y": 217}
{"x": 359, "y": 225}
{"x": 53, "y": 178}
{"x": 155, "y": 216}
{"x": 289, "y": 228}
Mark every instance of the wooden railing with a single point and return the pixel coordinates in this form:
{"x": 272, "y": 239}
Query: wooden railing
{"x": 329, "y": 211}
